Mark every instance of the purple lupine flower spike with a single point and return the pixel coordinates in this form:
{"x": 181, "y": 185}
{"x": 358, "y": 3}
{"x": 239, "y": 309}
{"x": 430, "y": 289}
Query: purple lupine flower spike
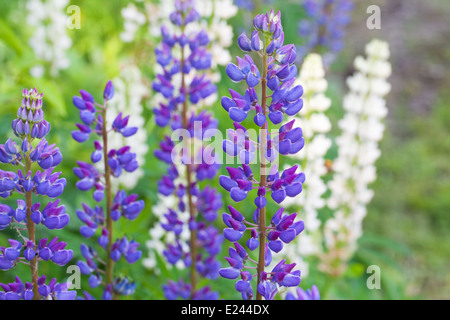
{"x": 279, "y": 98}
{"x": 183, "y": 175}
{"x": 31, "y": 126}
{"x": 110, "y": 207}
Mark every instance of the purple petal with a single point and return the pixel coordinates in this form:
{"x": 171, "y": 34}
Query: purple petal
{"x": 276, "y": 246}
{"x": 279, "y": 195}
{"x": 293, "y": 189}
{"x": 108, "y": 93}
{"x": 232, "y": 235}
{"x": 85, "y": 184}
{"x": 227, "y": 183}
{"x": 229, "y": 273}
{"x": 238, "y": 194}
{"x": 288, "y": 235}
{"x": 237, "y": 114}
{"x": 234, "y": 73}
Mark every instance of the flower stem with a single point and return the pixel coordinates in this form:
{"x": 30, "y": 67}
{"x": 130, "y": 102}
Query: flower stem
{"x": 263, "y": 176}
{"x": 108, "y": 194}
{"x": 31, "y": 233}
{"x": 192, "y": 213}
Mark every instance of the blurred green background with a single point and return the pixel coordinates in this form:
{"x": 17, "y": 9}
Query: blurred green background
{"x": 406, "y": 231}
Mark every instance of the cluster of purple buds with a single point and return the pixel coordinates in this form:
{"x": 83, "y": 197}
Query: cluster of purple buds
{"x": 29, "y": 126}
{"x": 17, "y": 290}
{"x": 98, "y": 219}
{"x": 281, "y": 74}
{"x": 279, "y": 97}
{"x": 282, "y": 275}
{"x": 126, "y": 248}
{"x": 30, "y": 122}
{"x": 54, "y": 290}
{"x": 325, "y": 27}
{"x": 201, "y": 204}
{"x": 53, "y": 251}
{"x": 122, "y": 159}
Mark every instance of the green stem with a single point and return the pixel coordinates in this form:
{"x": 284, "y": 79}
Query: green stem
{"x": 192, "y": 211}
{"x": 31, "y": 232}
{"x": 108, "y": 194}
{"x": 263, "y": 176}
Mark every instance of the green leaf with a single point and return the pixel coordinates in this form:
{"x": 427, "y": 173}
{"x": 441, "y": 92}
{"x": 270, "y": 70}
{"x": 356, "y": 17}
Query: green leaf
{"x": 8, "y": 36}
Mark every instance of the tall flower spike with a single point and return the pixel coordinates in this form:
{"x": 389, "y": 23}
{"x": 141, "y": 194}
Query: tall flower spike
{"x": 30, "y": 126}
{"x": 278, "y": 76}
{"x": 354, "y": 169}
{"x": 111, "y": 204}
{"x": 192, "y": 240}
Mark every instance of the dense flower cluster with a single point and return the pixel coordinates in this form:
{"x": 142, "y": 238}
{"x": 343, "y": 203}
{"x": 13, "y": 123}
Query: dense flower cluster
{"x": 278, "y": 75}
{"x": 324, "y": 29}
{"x": 354, "y": 169}
{"x": 100, "y": 218}
{"x": 192, "y": 240}
{"x": 29, "y": 127}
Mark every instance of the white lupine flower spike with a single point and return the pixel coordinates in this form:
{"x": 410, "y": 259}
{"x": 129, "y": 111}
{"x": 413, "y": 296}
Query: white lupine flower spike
{"x": 354, "y": 168}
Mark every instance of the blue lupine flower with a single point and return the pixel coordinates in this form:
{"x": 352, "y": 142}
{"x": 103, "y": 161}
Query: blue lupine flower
{"x": 278, "y": 75}
{"x": 55, "y": 291}
{"x": 240, "y": 144}
{"x": 54, "y": 217}
{"x": 29, "y": 126}
{"x": 121, "y": 205}
{"x": 239, "y": 183}
{"x": 290, "y": 184}
{"x": 199, "y": 165}
{"x": 17, "y": 290}
{"x": 124, "y": 286}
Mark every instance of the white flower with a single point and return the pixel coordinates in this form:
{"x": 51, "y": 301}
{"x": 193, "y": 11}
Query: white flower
{"x": 49, "y": 41}
{"x": 134, "y": 19}
{"x": 354, "y": 169}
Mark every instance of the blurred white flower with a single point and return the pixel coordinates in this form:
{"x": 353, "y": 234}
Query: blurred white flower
{"x": 134, "y": 19}
{"x": 50, "y": 40}
{"x": 354, "y": 169}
